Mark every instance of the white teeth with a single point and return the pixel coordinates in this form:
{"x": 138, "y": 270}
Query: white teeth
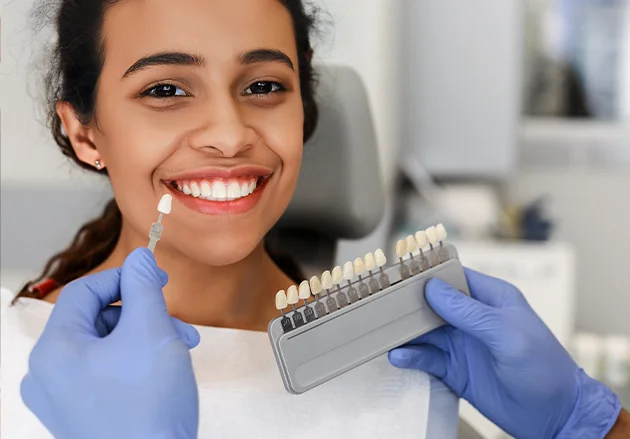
{"x": 370, "y": 263}
{"x": 233, "y": 191}
{"x": 206, "y": 192}
{"x": 401, "y": 248}
{"x": 327, "y": 281}
{"x": 219, "y": 191}
{"x": 380, "y": 258}
{"x": 245, "y": 189}
{"x": 304, "y": 291}
{"x": 281, "y": 300}
{"x": 337, "y": 275}
{"x": 348, "y": 271}
{"x": 359, "y": 266}
{"x": 194, "y": 187}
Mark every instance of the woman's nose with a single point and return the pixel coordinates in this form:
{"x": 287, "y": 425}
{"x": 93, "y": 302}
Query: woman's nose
{"x": 222, "y": 128}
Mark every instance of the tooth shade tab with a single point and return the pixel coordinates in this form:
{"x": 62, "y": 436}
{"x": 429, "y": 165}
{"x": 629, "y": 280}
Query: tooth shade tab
{"x": 412, "y": 245}
{"x": 281, "y": 300}
{"x": 337, "y": 275}
{"x": 164, "y": 206}
{"x": 421, "y": 239}
{"x": 441, "y": 232}
{"x": 359, "y": 266}
{"x": 370, "y": 263}
{"x": 316, "y": 285}
{"x": 327, "y": 281}
{"x": 401, "y": 248}
{"x": 348, "y": 271}
{"x": 380, "y": 258}
{"x": 292, "y": 295}
{"x": 432, "y": 235}
{"x": 305, "y": 290}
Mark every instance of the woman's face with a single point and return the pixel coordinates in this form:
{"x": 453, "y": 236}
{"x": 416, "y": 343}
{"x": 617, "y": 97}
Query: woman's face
{"x": 201, "y": 99}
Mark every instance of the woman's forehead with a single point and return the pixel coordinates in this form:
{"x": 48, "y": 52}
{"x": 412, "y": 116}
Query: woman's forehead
{"x": 215, "y": 29}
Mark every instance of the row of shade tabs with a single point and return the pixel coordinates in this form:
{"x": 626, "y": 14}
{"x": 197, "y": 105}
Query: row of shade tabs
{"x": 358, "y": 287}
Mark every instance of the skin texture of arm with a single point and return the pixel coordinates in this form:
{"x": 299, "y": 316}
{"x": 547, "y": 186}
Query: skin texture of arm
{"x": 621, "y": 430}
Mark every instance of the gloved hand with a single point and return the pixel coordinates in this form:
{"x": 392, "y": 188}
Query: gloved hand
{"x": 499, "y": 355}
{"x": 109, "y": 372}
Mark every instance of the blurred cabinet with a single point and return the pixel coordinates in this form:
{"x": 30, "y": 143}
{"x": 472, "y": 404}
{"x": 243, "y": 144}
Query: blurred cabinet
{"x": 461, "y": 84}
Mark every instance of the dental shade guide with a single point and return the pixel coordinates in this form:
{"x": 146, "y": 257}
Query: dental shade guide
{"x": 392, "y": 313}
{"x": 164, "y": 207}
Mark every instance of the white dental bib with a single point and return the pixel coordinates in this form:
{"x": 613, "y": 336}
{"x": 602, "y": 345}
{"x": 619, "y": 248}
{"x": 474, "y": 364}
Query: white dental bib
{"x": 241, "y": 393}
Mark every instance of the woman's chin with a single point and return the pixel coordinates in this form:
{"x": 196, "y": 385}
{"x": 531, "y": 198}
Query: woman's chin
{"x": 221, "y": 251}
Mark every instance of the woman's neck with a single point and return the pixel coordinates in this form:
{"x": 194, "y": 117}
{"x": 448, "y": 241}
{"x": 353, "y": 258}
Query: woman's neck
{"x": 240, "y": 295}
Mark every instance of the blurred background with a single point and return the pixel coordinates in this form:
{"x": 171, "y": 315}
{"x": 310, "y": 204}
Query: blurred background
{"x": 506, "y": 120}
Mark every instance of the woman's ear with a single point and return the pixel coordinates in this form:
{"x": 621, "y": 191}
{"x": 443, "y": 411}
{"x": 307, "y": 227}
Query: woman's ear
{"x": 81, "y": 136}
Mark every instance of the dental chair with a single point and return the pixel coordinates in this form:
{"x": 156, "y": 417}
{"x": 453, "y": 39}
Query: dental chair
{"x": 339, "y": 196}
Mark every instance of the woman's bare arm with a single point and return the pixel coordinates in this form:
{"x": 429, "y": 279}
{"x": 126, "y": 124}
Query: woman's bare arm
{"x": 621, "y": 430}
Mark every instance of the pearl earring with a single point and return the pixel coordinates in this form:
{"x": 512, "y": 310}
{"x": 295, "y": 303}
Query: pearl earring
{"x": 98, "y": 164}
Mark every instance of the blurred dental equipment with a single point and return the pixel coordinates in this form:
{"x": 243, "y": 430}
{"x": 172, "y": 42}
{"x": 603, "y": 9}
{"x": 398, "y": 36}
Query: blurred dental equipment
{"x": 164, "y": 207}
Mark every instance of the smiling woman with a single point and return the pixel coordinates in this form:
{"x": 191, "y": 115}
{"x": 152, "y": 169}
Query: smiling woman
{"x": 210, "y": 105}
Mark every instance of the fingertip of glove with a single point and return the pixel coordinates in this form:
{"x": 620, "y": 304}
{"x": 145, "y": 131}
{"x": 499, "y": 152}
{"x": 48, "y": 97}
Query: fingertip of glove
{"x": 399, "y": 358}
{"x": 192, "y": 338}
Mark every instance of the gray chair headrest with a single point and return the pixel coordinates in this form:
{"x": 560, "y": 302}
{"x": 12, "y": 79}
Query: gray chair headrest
{"x": 340, "y": 190}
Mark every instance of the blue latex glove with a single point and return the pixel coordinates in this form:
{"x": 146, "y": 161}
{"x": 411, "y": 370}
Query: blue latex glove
{"x": 108, "y": 372}
{"x": 499, "y": 355}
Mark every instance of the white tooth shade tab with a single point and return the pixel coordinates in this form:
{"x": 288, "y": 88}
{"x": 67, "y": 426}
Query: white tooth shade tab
{"x": 337, "y": 275}
{"x": 412, "y": 245}
{"x": 380, "y": 258}
{"x": 441, "y": 232}
{"x": 432, "y": 235}
{"x": 281, "y": 300}
{"x": 316, "y": 285}
{"x": 348, "y": 271}
{"x": 370, "y": 263}
{"x": 421, "y": 239}
{"x": 401, "y": 248}
{"x": 327, "y": 281}
{"x": 305, "y": 290}
{"x": 164, "y": 206}
{"x": 292, "y": 295}
{"x": 359, "y": 266}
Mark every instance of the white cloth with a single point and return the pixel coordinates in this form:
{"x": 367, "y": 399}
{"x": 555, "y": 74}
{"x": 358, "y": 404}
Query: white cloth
{"x": 241, "y": 392}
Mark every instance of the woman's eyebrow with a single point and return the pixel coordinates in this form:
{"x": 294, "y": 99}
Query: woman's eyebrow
{"x": 166, "y": 59}
{"x": 265, "y": 55}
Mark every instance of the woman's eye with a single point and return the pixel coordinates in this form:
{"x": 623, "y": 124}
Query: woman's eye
{"x": 165, "y": 91}
{"x": 263, "y": 88}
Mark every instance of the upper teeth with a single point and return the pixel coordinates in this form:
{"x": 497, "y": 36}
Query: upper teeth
{"x": 217, "y": 190}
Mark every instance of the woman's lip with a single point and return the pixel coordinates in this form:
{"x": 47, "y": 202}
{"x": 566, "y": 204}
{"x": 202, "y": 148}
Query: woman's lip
{"x": 222, "y": 173}
{"x": 207, "y": 207}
